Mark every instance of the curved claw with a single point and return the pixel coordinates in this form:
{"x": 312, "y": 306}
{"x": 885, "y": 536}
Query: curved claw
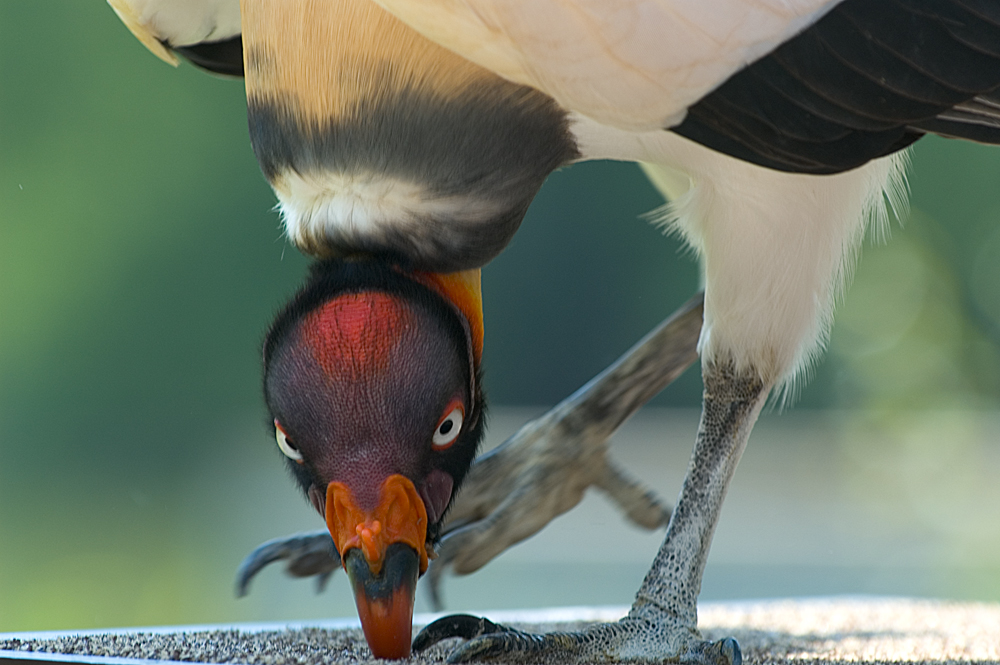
{"x": 307, "y": 554}
{"x": 517, "y": 646}
{"x": 464, "y": 626}
{"x": 626, "y": 640}
{"x": 726, "y": 651}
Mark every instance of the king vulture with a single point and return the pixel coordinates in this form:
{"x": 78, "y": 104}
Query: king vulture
{"x": 405, "y": 139}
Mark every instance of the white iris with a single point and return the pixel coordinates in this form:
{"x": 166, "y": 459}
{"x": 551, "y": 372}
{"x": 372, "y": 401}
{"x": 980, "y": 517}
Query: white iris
{"x": 448, "y": 429}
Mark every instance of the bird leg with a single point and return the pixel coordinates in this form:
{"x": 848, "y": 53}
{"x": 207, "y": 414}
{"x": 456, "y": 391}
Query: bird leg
{"x": 662, "y": 623}
{"x": 541, "y": 472}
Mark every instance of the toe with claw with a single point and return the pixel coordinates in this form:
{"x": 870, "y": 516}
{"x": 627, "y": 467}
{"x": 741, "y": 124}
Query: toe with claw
{"x": 305, "y": 555}
{"x": 662, "y": 624}
{"x": 634, "y": 639}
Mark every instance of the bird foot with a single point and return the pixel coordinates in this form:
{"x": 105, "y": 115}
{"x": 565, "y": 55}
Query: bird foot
{"x": 304, "y": 554}
{"x": 634, "y": 639}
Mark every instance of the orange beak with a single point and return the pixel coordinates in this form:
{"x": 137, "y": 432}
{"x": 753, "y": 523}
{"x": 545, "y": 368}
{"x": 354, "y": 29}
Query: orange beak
{"x": 383, "y": 551}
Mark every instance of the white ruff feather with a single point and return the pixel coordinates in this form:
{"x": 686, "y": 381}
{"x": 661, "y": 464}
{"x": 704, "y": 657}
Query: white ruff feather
{"x": 777, "y": 249}
{"x": 365, "y": 207}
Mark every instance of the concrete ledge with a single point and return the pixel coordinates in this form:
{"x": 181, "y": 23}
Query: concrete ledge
{"x": 825, "y": 630}
{"x": 840, "y": 630}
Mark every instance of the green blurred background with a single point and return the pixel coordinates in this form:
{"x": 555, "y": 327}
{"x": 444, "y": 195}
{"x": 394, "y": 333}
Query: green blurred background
{"x": 141, "y": 261}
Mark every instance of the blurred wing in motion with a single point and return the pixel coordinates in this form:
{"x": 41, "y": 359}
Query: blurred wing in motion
{"x": 542, "y": 471}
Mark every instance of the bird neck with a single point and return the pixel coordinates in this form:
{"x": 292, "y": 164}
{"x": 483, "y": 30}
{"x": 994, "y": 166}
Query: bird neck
{"x": 463, "y": 290}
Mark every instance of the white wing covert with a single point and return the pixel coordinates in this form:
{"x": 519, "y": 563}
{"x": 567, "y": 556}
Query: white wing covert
{"x": 631, "y": 64}
{"x": 194, "y": 28}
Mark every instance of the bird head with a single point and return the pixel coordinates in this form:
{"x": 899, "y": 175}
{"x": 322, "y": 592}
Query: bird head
{"x": 371, "y": 377}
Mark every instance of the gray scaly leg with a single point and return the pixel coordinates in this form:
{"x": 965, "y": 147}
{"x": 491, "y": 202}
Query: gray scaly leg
{"x": 662, "y": 624}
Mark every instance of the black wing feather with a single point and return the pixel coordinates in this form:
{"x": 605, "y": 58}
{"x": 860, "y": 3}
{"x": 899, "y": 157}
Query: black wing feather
{"x": 985, "y": 10}
{"x": 867, "y": 79}
{"x": 809, "y": 59}
{"x": 771, "y": 74}
{"x": 975, "y": 120}
{"x": 882, "y": 66}
{"x": 222, "y": 57}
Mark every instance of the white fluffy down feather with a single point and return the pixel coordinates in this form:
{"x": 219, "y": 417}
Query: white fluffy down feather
{"x": 777, "y": 249}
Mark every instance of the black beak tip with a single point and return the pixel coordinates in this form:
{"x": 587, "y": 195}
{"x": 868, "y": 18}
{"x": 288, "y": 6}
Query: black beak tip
{"x": 385, "y": 600}
{"x": 400, "y": 569}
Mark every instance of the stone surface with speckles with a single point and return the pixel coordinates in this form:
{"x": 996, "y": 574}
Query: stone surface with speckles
{"x": 835, "y": 630}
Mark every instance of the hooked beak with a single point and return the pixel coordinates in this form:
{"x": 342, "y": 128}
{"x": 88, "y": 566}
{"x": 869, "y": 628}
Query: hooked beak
{"x": 383, "y": 551}
{"x": 385, "y": 600}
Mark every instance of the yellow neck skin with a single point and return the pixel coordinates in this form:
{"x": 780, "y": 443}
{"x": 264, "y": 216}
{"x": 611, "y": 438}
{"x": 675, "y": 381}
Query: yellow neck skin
{"x": 464, "y": 290}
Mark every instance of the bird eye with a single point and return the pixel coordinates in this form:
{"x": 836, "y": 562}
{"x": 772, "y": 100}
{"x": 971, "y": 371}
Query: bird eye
{"x": 447, "y": 430}
{"x": 284, "y": 444}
